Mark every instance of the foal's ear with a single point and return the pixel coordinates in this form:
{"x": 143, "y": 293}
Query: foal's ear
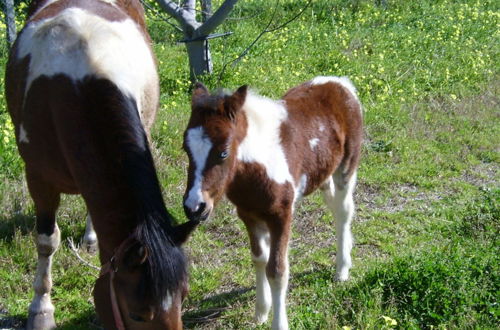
{"x": 236, "y": 101}
{"x": 199, "y": 90}
{"x": 182, "y": 231}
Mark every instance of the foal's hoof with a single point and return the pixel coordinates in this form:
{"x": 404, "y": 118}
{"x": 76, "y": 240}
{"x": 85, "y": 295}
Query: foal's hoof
{"x": 260, "y": 319}
{"x": 41, "y": 321}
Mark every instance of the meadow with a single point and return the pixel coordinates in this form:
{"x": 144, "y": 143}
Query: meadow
{"x": 427, "y": 228}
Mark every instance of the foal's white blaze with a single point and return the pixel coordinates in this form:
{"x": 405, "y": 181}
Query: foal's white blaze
{"x": 262, "y": 143}
{"x": 23, "y": 135}
{"x": 199, "y": 146}
{"x": 313, "y": 143}
{"x": 77, "y": 43}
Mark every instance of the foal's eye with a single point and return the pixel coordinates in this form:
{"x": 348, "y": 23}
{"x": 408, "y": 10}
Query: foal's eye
{"x": 224, "y": 154}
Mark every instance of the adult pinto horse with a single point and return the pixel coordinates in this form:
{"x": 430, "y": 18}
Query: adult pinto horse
{"x": 265, "y": 155}
{"x": 80, "y": 81}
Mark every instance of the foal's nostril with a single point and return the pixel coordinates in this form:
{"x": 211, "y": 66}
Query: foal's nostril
{"x": 201, "y": 208}
{"x": 136, "y": 318}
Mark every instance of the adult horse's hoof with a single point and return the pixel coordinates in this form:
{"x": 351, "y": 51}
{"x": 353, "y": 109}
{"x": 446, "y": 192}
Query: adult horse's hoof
{"x": 41, "y": 321}
{"x": 90, "y": 246}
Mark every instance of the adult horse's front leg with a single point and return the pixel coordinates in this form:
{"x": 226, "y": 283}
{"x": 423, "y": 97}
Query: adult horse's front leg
{"x": 259, "y": 243}
{"x": 46, "y": 199}
{"x": 277, "y": 268}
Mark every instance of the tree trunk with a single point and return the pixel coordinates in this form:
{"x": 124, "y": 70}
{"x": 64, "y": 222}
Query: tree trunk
{"x": 195, "y": 33}
{"x": 10, "y": 20}
{"x": 200, "y": 60}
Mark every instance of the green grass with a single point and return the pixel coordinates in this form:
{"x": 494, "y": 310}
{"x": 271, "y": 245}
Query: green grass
{"x": 426, "y": 253}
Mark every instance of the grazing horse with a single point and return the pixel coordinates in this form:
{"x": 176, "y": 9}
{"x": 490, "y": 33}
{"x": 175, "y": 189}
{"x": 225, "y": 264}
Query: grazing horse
{"x": 265, "y": 155}
{"x": 80, "y": 82}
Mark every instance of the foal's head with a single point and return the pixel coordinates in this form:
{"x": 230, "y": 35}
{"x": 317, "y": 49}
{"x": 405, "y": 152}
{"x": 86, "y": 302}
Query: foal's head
{"x": 211, "y": 139}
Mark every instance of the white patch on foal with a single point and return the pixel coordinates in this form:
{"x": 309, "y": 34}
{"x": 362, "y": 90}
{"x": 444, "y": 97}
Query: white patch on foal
{"x": 23, "y": 135}
{"x": 344, "y": 81}
{"x": 313, "y": 143}
{"x": 199, "y": 146}
{"x": 77, "y": 44}
{"x": 262, "y": 143}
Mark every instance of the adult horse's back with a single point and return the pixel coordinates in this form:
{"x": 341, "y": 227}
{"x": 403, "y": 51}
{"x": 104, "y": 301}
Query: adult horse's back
{"x": 80, "y": 80}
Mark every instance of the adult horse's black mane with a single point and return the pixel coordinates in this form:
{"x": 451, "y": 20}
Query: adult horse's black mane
{"x": 166, "y": 264}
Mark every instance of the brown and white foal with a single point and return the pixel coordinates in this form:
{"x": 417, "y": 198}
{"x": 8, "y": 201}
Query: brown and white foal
{"x": 265, "y": 155}
{"x": 80, "y": 83}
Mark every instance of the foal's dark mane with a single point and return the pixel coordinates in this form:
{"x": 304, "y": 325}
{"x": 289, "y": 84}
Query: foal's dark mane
{"x": 128, "y": 144}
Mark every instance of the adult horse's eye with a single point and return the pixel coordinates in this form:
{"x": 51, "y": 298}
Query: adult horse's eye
{"x": 224, "y": 154}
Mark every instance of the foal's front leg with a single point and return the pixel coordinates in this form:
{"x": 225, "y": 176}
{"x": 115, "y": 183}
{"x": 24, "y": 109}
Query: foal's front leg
{"x": 259, "y": 243}
{"x": 46, "y": 199}
{"x": 277, "y": 268}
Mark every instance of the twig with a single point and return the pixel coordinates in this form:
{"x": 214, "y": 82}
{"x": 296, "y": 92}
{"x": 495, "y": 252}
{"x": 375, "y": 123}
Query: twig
{"x": 75, "y": 251}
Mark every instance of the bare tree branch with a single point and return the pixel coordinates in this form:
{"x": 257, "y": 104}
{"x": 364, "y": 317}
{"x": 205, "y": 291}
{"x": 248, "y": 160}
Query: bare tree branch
{"x": 266, "y": 30}
{"x": 217, "y": 18}
{"x": 75, "y": 252}
{"x": 184, "y": 17}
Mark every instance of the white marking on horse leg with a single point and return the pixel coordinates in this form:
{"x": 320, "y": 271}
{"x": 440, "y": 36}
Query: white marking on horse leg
{"x": 199, "y": 147}
{"x": 263, "y": 291}
{"x": 41, "y": 309}
{"x": 343, "y": 210}
{"x": 279, "y": 287}
{"x": 90, "y": 236}
{"x": 23, "y": 135}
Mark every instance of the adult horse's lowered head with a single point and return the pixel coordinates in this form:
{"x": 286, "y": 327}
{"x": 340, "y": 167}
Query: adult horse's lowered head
{"x": 265, "y": 155}
{"x": 80, "y": 81}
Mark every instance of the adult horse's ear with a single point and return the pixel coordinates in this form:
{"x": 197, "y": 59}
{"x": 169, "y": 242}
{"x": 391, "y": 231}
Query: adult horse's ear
{"x": 182, "y": 231}
{"x": 135, "y": 256}
{"x": 236, "y": 101}
{"x": 199, "y": 90}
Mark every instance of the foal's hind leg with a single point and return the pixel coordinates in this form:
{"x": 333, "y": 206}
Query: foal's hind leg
{"x": 46, "y": 199}
{"x": 259, "y": 243}
{"x": 90, "y": 237}
{"x": 338, "y": 196}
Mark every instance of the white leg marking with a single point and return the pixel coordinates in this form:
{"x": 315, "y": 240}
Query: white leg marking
{"x": 263, "y": 291}
{"x": 41, "y": 304}
{"x": 341, "y": 203}
{"x": 278, "y": 291}
{"x": 199, "y": 147}
{"x": 90, "y": 236}
{"x": 23, "y": 135}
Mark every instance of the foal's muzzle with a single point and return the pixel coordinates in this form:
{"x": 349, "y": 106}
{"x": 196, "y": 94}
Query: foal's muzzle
{"x": 201, "y": 213}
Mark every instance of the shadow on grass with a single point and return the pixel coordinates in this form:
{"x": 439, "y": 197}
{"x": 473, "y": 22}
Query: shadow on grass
{"x": 209, "y": 309}
{"x": 84, "y": 321}
{"x": 19, "y": 221}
